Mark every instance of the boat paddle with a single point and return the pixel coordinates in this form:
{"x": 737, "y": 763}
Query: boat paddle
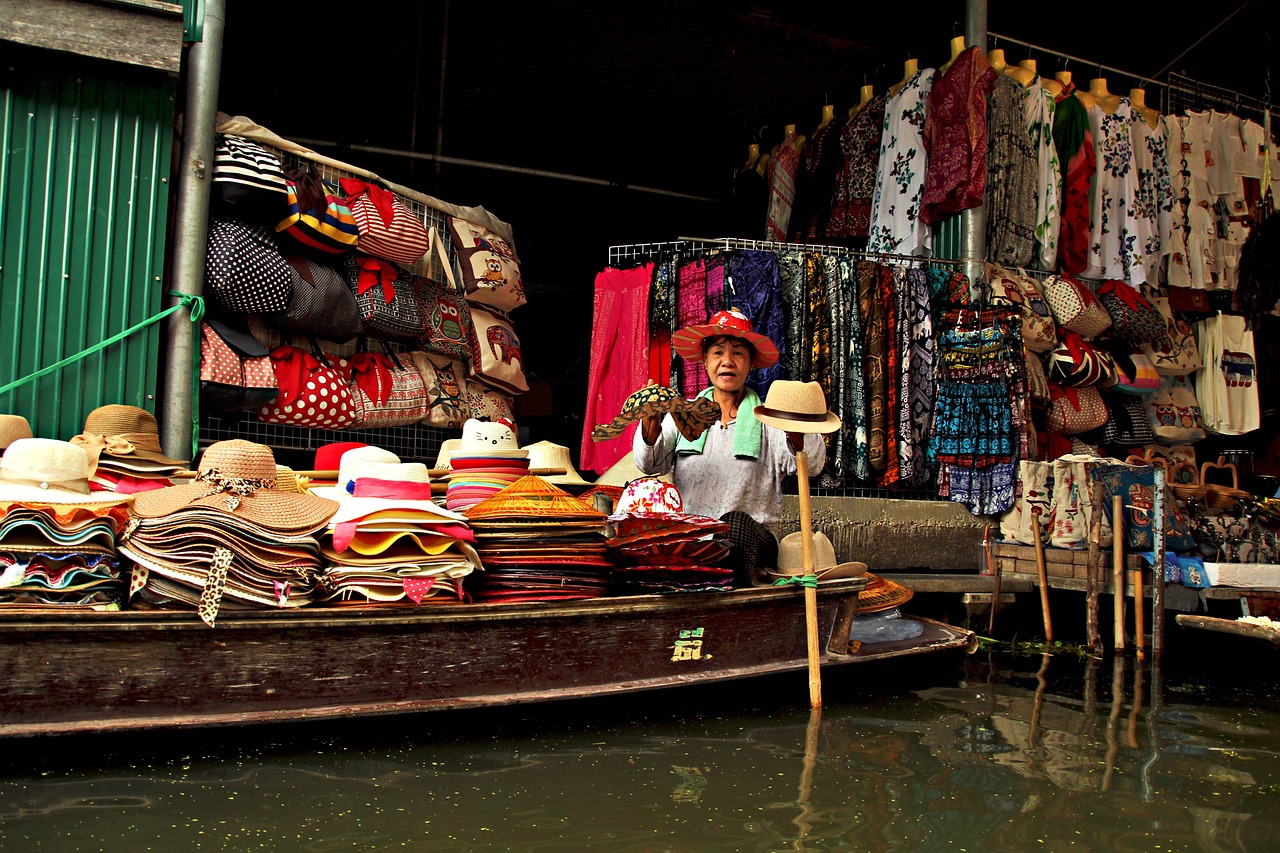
{"x": 810, "y": 589}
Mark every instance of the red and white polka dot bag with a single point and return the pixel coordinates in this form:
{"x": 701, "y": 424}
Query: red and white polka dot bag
{"x": 315, "y": 390}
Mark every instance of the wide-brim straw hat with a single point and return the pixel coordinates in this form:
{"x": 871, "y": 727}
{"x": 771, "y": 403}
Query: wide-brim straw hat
{"x": 688, "y": 341}
{"x": 881, "y": 593}
{"x": 531, "y": 497}
{"x": 48, "y": 471}
{"x": 692, "y": 417}
{"x": 12, "y": 428}
{"x": 123, "y": 433}
{"x": 825, "y": 567}
{"x": 546, "y": 454}
{"x": 238, "y": 477}
{"x": 624, "y": 471}
{"x": 797, "y": 407}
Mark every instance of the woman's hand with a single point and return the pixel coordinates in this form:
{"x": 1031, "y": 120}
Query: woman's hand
{"x": 795, "y": 442}
{"x": 651, "y": 428}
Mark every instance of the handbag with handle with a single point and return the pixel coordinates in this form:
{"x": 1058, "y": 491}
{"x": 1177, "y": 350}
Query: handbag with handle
{"x": 1174, "y": 412}
{"x": 317, "y": 215}
{"x": 1133, "y": 318}
{"x": 1075, "y": 410}
{"x": 446, "y": 383}
{"x": 1177, "y": 353}
{"x": 496, "y": 356}
{"x": 244, "y": 269}
{"x": 314, "y": 387}
{"x": 1127, "y": 422}
{"x": 1075, "y": 307}
{"x": 321, "y": 305}
{"x": 1039, "y": 334}
{"x": 446, "y": 314}
{"x": 248, "y": 180}
{"x": 387, "y": 297}
{"x": 388, "y": 228}
{"x": 389, "y": 388}
{"x": 490, "y": 267}
{"x": 1076, "y": 361}
{"x": 235, "y": 369}
{"x": 1134, "y": 372}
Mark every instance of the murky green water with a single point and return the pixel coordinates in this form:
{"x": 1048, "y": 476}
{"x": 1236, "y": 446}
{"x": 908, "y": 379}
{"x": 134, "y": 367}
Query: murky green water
{"x": 985, "y": 753}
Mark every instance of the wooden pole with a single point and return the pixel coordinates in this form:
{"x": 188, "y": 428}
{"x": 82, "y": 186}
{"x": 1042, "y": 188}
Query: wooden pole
{"x": 810, "y": 592}
{"x": 1157, "y": 576}
{"x": 1117, "y": 569}
{"x": 1092, "y": 635}
{"x": 1139, "y": 603}
{"x": 994, "y": 567}
{"x": 1043, "y": 576}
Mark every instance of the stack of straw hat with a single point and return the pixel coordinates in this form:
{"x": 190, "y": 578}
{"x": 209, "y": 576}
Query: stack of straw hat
{"x": 658, "y": 547}
{"x": 123, "y": 446}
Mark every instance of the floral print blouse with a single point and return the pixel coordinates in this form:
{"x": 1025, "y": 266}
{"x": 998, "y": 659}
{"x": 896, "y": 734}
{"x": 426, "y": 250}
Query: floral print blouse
{"x": 895, "y": 207}
{"x": 1117, "y": 238}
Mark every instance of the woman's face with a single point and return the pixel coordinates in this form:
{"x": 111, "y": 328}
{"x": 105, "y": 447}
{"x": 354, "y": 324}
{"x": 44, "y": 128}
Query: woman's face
{"x": 728, "y": 361}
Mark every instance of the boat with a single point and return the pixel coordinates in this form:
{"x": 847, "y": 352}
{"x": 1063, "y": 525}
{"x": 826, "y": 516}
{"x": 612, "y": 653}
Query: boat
{"x": 131, "y": 670}
{"x": 1236, "y": 627}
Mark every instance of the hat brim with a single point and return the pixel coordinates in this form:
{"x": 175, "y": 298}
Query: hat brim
{"x": 268, "y": 508}
{"x": 791, "y": 422}
{"x": 356, "y": 508}
{"x": 22, "y": 493}
{"x": 688, "y": 343}
{"x": 840, "y": 571}
{"x": 882, "y": 594}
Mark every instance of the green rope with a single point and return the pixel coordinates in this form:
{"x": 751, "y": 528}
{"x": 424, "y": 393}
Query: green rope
{"x": 185, "y": 300}
{"x": 798, "y": 580}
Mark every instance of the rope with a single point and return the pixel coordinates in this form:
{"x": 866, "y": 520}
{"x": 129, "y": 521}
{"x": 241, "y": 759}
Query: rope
{"x": 798, "y": 580}
{"x": 185, "y": 300}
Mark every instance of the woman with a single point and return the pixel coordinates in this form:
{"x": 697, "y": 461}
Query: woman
{"x": 737, "y": 465}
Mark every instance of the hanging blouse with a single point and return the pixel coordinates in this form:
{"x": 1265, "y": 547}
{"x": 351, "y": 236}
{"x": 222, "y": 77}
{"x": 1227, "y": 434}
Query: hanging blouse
{"x": 855, "y": 182}
{"x": 1074, "y": 141}
{"x": 895, "y": 204}
{"x": 691, "y": 307}
{"x": 780, "y": 175}
{"x": 1154, "y": 204}
{"x": 1040, "y": 109}
{"x": 1116, "y": 239}
{"x": 955, "y": 137}
{"x": 1173, "y": 242}
{"x": 1011, "y": 165}
{"x": 1227, "y": 386}
{"x": 819, "y": 162}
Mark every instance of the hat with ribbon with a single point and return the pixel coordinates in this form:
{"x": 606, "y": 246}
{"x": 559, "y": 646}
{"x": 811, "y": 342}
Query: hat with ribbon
{"x": 688, "y": 341}
{"x": 791, "y": 559}
{"x": 127, "y": 436}
{"x": 238, "y": 477}
{"x": 48, "y": 471}
{"x": 351, "y": 463}
{"x": 328, "y": 458}
{"x": 12, "y": 428}
{"x": 797, "y": 407}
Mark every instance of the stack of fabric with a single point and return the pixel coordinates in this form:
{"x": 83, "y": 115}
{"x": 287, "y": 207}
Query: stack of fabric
{"x": 123, "y": 446}
{"x": 57, "y": 538}
{"x": 487, "y": 460}
{"x": 538, "y": 543}
{"x": 657, "y": 547}
{"x": 389, "y": 542}
{"x": 230, "y": 539}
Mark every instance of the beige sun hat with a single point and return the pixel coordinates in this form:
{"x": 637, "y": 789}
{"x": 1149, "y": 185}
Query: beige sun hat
{"x": 239, "y": 477}
{"x": 48, "y": 471}
{"x": 797, "y": 407}
{"x": 448, "y": 448}
{"x": 791, "y": 559}
{"x": 350, "y": 465}
{"x": 546, "y": 454}
{"x": 12, "y": 428}
{"x": 127, "y": 436}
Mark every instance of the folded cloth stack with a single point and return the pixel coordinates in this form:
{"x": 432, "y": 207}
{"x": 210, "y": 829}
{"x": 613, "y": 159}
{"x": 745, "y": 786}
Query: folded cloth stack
{"x": 57, "y": 538}
{"x": 658, "y": 547}
{"x": 123, "y": 445}
{"x": 391, "y": 543}
{"x": 538, "y": 543}
{"x": 487, "y": 460}
{"x": 229, "y": 539}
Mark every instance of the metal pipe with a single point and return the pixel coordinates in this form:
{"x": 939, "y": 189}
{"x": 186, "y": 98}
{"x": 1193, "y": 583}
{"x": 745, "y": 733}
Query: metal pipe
{"x": 179, "y": 408}
{"x": 973, "y": 222}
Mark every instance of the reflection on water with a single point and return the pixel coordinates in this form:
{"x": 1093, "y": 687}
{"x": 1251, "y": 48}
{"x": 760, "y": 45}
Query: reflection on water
{"x": 985, "y": 753}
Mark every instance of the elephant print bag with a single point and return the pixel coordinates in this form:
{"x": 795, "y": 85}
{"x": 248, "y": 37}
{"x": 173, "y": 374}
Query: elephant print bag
{"x": 496, "y": 358}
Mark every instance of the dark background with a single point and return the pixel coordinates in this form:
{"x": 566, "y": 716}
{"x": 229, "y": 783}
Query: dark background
{"x": 661, "y": 96}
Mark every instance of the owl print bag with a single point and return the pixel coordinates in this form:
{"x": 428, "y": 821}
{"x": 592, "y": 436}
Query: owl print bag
{"x": 446, "y": 315}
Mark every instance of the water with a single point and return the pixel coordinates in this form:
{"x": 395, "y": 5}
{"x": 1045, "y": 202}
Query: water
{"x": 989, "y": 752}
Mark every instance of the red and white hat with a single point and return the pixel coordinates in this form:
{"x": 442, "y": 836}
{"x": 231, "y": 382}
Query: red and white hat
{"x": 688, "y": 341}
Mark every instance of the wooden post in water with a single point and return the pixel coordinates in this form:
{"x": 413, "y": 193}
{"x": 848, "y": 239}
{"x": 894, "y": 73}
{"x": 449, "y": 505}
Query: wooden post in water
{"x": 1093, "y": 638}
{"x": 1042, "y": 576}
{"x": 810, "y": 592}
{"x": 1117, "y": 569}
{"x": 1157, "y": 576}
{"x": 1139, "y": 602}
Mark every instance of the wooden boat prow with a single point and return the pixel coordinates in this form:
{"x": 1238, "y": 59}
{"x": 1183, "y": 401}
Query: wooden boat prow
{"x": 1230, "y": 626}
{"x": 146, "y": 669}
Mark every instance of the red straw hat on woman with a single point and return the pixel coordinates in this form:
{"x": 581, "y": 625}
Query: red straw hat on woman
{"x": 688, "y": 341}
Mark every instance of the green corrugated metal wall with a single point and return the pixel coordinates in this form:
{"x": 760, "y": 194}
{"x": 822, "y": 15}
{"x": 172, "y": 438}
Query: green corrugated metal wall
{"x": 84, "y": 198}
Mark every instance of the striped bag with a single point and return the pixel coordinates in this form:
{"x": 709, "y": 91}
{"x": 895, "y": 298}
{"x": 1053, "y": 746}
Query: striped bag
{"x": 318, "y": 216}
{"x": 248, "y": 180}
{"x": 388, "y": 228}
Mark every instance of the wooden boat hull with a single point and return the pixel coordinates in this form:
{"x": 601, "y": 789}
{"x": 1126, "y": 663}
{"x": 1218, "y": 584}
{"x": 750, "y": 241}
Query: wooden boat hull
{"x": 1230, "y": 626}
{"x": 98, "y": 672}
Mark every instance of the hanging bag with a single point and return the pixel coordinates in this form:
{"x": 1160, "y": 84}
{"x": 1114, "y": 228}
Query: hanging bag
{"x": 446, "y": 314}
{"x": 1075, "y": 307}
{"x": 1077, "y": 362}
{"x": 1127, "y": 422}
{"x": 321, "y": 305}
{"x": 244, "y": 270}
{"x": 1177, "y": 353}
{"x": 317, "y": 214}
{"x": 235, "y": 369}
{"x": 1074, "y": 410}
{"x": 1174, "y": 412}
{"x": 388, "y": 299}
{"x": 496, "y": 357}
{"x": 248, "y": 180}
{"x": 1039, "y": 334}
{"x": 389, "y": 389}
{"x": 490, "y": 268}
{"x": 1133, "y": 318}
{"x": 314, "y": 390}
{"x": 388, "y": 228}
{"x": 1134, "y": 372}
{"x": 446, "y": 384}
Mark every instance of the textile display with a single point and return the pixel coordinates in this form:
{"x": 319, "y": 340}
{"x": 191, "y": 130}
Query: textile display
{"x": 1133, "y": 318}
{"x": 618, "y": 364}
{"x": 900, "y": 175}
{"x": 1226, "y": 386}
{"x": 955, "y": 136}
{"x": 1073, "y": 410}
{"x": 446, "y": 314}
{"x": 1136, "y": 487}
{"x": 489, "y": 264}
{"x": 1011, "y": 178}
{"x": 1039, "y": 332}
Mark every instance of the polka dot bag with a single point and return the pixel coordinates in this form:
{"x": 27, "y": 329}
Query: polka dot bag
{"x": 315, "y": 390}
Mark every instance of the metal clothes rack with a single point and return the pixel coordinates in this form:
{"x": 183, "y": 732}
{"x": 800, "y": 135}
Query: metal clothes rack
{"x": 631, "y": 252}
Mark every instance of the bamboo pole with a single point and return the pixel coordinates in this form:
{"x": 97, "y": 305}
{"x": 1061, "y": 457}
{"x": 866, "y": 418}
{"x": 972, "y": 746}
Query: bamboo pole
{"x": 1093, "y": 637}
{"x": 1139, "y": 603}
{"x": 1117, "y": 569}
{"x": 810, "y": 591}
{"x": 995, "y": 568}
{"x": 1042, "y": 575}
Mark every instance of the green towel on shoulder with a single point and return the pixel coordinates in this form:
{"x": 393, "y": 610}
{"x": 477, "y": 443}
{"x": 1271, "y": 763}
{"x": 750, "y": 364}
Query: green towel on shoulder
{"x": 746, "y": 433}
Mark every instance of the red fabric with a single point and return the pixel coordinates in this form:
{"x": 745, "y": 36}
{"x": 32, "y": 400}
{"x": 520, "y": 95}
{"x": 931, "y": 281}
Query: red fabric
{"x": 376, "y": 272}
{"x": 691, "y": 308}
{"x": 955, "y": 137}
{"x": 619, "y": 359}
{"x": 372, "y": 372}
{"x": 383, "y": 200}
{"x": 660, "y": 356}
{"x": 892, "y": 377}
{"x": 1073, "y": 236}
